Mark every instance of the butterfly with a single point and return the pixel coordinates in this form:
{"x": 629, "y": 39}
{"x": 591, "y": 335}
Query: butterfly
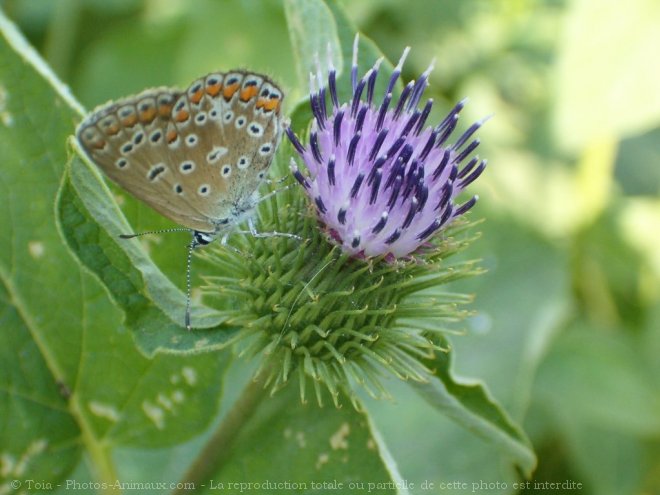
{"x": 196, "y": 156}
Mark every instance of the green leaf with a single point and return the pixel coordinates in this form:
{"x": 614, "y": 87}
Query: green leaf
{"x": 324, "y": 449}
{"x": 313, "y": 33}
{"x": 71, "y": 380}
{"x": 308, "y": 39}
{"x": 470, "y": 404}
{"x": 600, "y": 379}
{"x": 91, "y": 223}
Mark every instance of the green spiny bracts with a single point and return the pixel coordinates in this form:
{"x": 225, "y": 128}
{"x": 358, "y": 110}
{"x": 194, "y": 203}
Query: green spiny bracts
{"x": 314, "y": 312}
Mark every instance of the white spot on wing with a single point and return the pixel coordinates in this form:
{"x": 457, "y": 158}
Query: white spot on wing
{"x": 216, "y": 153}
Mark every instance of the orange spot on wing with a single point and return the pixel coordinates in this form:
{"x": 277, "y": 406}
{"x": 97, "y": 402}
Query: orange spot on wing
{"x": 182, "y": 116}
{"x": 112, "y": 129}
{"x": 197, "y": 95}
{"x": 229, "y": 91}
{"x": 271, "y": 104}
{"x": 129, "y": 121}
{"x": 148, "y": 115}
{"x": 248, "y": 93}
{"x": 98, "y": 144}
{"x": 171, "y": 136}
{"x": 214, "y": 89}
{"x": 164, "y": 109}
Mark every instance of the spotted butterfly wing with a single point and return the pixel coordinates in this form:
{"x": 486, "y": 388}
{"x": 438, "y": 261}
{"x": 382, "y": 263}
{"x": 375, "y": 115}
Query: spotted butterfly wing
{"x": 197, "y": 156}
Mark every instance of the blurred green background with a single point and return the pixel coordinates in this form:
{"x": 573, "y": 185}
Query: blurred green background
{"x": 567, "y": 326}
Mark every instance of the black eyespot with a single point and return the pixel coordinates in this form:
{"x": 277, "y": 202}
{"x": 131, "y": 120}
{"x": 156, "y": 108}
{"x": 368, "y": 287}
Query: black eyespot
{"x": 226, "y": 170}
{"x": 155, "y": 172}
{"x": 196, "y": 88}
{"x": 155, "y": 137}
{"x": 122, "y": 162}
{"x": 252, "y": 82}
{"x": 180, "y": 105}
{"x": 232, "y": 80}
{"x": 144, "y": 107}
{"x": 187, "y": 166}
{"x": 127, "y": 148}
{"x": 137, "y": 139}
{"x": 178, "y": 189}
{"x": 212, "y": 81}
{"x": 200, "y": 118}
{"x": 265, "y": 92}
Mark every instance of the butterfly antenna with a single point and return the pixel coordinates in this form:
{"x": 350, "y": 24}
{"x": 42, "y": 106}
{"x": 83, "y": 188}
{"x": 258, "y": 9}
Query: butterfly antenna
{"x": 191, "y": 247}
{"x": 164, "y": 231}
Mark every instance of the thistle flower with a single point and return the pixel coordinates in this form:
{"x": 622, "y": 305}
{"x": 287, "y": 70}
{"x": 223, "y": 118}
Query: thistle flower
{"x": 382, "y": 183}
{"x": 331, "y": 314}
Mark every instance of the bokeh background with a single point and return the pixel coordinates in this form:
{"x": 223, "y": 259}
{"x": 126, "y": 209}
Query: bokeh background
{"x": 566, "y": 332}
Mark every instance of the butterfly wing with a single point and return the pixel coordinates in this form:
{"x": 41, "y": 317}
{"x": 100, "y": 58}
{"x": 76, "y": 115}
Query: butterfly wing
{"x": 193, "y": 155}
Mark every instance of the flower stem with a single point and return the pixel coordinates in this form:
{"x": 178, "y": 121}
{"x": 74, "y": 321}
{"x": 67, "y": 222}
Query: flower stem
{"x": 218, "y": 448}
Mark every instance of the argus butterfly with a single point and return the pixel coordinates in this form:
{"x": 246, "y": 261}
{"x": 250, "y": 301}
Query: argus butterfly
{"x": 197, "y": 156}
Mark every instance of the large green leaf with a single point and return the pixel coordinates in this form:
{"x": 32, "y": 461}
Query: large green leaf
{"x": 71, "y": 380}
{"x": 321, "y": 449}
{"x": 338, "y": 32}
{"x": 471, "y": 405}
{"x": 91, "y": 223}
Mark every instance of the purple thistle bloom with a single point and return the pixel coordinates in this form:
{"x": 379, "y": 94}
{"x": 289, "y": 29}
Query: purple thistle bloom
{"x": 382, "y": 183}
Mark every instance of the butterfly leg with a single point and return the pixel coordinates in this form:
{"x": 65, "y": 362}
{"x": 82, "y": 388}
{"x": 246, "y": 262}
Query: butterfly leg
{"x": 254, "y": 233}
{"x": 275, "y": 181}
{"x": 223, "y": 243}
{"x": 272, "y": 193}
